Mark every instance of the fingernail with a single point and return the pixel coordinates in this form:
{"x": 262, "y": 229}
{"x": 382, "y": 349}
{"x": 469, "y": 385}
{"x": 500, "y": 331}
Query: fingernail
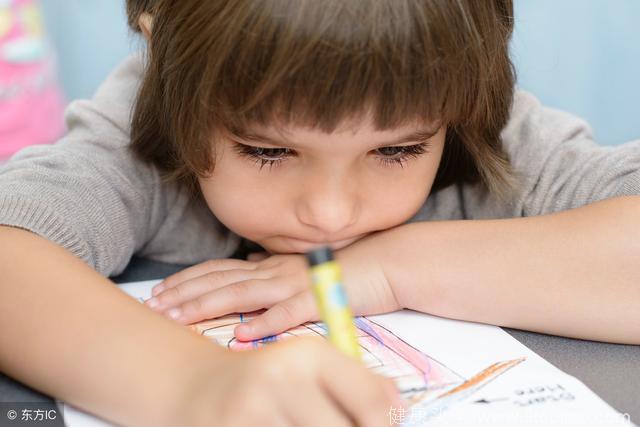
{"x": 152, "y": 302}
{"x": 174, "y": 313}
{"x": 157, "y": 289}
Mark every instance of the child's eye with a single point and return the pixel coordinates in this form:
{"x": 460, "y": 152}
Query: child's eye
{"x": 263, "y": 156}
{"x": 275, "y": 156}
{"x": 390, "y": 156}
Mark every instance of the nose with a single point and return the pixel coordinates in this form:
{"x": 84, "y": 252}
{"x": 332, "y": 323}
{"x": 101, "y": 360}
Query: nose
{"x": 330, "y": 206}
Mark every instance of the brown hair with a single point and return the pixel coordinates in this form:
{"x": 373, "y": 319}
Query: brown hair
{"x": 219, "y": 66}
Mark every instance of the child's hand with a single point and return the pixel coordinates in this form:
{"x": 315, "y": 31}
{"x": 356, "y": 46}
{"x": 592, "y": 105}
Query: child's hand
{"x": 279, "y": 283}
{"x": 301, "y": 382}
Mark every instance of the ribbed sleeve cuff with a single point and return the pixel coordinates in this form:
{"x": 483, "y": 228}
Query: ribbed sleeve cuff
{"x": 631, "y": 185}
{"x": 35, "y": 216}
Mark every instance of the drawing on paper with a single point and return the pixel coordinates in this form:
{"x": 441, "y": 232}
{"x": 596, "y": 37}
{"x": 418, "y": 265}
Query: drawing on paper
{"x": 423, "y": 381}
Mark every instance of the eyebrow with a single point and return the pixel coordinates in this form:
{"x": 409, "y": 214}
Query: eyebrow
{"x": 419, "y": 136}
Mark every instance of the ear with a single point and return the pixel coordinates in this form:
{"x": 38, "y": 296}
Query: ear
{"x": 145, "y": 22}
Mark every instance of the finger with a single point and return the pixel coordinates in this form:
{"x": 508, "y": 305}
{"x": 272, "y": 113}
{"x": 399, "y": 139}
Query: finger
{"x": 197, "y": 286}
{"x": 282, "y": 420}
{"x": 366, "y": 397}
{"x": 268, "y": 417}
{"x": 239, "y": 297}
{"x": 314, "y": 408}
{"x": 257, "y": 256}
{"x": 200, "y": 270}
{"x": 287, "y": 314}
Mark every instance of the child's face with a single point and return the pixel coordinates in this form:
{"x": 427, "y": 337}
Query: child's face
{"x": 290, "y": 189}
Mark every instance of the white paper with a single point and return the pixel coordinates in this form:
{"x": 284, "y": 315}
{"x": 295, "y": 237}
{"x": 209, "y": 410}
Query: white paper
{"x": 477, "y": 374}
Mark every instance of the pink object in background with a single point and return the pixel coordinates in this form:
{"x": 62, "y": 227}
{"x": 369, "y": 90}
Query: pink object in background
{"x": 31, "y": 103}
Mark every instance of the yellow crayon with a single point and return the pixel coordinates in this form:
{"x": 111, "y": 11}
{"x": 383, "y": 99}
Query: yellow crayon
{"x": 332, "y": 301}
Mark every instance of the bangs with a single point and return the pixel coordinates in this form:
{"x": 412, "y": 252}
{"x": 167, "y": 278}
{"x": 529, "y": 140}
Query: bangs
{"x": 318, "y": 63}
{"x": 318, "y": 66}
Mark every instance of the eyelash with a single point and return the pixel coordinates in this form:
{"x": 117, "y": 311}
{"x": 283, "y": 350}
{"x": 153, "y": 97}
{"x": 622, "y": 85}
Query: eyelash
{"x": 256, "y": 154}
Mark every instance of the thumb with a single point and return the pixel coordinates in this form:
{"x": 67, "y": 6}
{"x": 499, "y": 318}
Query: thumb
{"x": 288, "y": 314}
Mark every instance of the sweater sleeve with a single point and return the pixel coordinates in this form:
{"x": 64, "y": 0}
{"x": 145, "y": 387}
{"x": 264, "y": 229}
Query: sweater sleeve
{"x": 87, "y": 192}
{"x": 559, "y": 165}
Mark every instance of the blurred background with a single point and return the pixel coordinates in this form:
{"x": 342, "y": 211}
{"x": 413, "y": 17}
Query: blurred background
{"x": 582, "y": 56}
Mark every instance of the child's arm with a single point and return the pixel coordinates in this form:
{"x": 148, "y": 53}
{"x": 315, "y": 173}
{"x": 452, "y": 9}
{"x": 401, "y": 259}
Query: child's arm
{"x": 69, "y": 332}
{"x": 574, "y": 273}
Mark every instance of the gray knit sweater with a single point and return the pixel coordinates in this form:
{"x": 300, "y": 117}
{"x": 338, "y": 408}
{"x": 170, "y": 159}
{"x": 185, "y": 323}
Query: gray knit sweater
{"x": 90, "y": 195}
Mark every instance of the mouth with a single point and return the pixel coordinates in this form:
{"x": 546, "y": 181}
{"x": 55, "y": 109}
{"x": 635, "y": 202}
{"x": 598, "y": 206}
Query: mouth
{"x": 298, "y": 245}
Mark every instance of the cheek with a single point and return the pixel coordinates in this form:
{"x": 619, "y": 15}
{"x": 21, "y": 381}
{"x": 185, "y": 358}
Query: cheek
{"x": 401, "y": 194}
{"x": 396, "y": 201}
{"x": 246, "y": 206}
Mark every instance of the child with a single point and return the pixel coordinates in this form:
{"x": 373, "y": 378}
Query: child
{"x": 375, "y": 127}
